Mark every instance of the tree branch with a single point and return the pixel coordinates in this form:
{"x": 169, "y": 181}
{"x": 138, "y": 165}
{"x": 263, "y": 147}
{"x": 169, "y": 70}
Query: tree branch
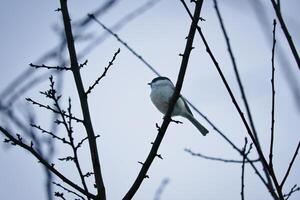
{"x": 68, "y": 190}
{"x": 104, "y": 73}
{"x": 241, "y": 88}
{"x": 249, "y": 132}
{"x": 83, "y": 101}
{"x": 273, "y": 98}
{"x": 220, "y": 159}
{"x": 162, "y": 130}
{"x": 286, "y": 32}
{"x": 30, "y": 148}
{"x": 290, "y": 165}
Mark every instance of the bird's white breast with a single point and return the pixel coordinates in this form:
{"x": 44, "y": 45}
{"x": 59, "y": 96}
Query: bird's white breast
{"x": 161, "y": 96}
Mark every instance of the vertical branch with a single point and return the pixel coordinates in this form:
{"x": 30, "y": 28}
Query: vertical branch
{"x": 236, "y": 72}
{"x": 162, "y": 130}
{"x": 276, "y": 7}
{"x": 241, "y": 114}
{"x": 243, "y": 170}
{"x": 69, "y": 129}
{"x": 245, "y": 154}
{"x": 273, "y": 97}
{"x": 241, "y": 88}
{"x": 83, "y": 102}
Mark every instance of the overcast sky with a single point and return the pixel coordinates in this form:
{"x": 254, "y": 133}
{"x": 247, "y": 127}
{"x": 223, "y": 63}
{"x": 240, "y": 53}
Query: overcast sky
{"x": 122, "y": 112}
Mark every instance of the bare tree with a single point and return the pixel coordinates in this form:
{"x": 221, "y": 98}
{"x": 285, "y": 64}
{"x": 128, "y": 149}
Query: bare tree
{"x": 65, "y": 118}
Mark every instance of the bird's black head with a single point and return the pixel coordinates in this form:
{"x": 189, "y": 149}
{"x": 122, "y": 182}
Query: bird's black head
{"x": 159, "y": 78}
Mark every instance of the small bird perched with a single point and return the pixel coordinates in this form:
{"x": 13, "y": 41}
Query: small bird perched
{"x": 162, "y": 90}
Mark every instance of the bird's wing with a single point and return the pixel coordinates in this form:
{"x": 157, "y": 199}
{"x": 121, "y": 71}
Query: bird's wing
{"x": 186, "y": 105}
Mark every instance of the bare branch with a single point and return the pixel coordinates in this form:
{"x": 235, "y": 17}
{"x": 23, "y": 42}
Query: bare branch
{"x": 60, "y": 195}
{"x": 83, "y": 101}
{"x": 241, "y": 88}
{"x": 273, "y": 98}
{"x": 249, "y": 132}
{"x": 219, "y": 159}
{"x": 293, "y": 189}
{"x": 124, "y": 43}
{"x": 147, "y": 64}
{"x": 286, "y": 32}
{"x": 290, "y": 165}
{"x": 243, "y": 170}
{"x": 161, "y": 188}
{"x": 68, "y": 190}
{"x": 44, "y": 162}
{"x": 104, "y": 73}
{"x": 58, "y": 68}
{"x": 52, "y": 109}
{"x": 50, "y": 133}
{"x": 245, "y": 154}
{"x": 153, "y": 152}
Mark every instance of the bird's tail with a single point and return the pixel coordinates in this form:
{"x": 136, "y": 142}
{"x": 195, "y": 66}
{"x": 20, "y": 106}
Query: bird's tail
{"x": 199, "y": 126}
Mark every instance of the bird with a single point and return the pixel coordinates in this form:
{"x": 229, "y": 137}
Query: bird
{"x": 162, "y": 90}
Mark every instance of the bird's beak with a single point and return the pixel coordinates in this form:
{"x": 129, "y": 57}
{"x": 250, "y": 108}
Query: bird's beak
{"x": 149, "y": 83}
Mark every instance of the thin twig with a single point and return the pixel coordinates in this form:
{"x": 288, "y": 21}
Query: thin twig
{"x": 243, "y": 170}
{"x": 68, "y": 190}
{"x": 290, "y": 165}
{"x": 153, "y": 152}
{"x": 286, "y": 32}
{"x": 118, "y": 25}
{"x": 52, "y": 94}
{"x": 43, "y": 161}
{"x": 58, "y": 68}
{"x": 219, "y": 159}
{"x": 161, "y": 188}
{"x": 83, "y": 101}
{"x": 52, "y": 109}
{"x": 293, "y": 189}
{"x": 236, "y": 72}
{"x": 60, "y": 195}
{"x": 124, "y": 43}
{"x": 104, "y": 73}
{"x": 273, "y": 97}
{"x": 50, "y": 133}
{"x": 69, "y": 128}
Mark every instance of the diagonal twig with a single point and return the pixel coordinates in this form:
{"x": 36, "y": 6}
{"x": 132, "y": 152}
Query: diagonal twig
{"x": 124, "y": 43}
{"x": 52, "y": 109}
{"x": 43, "y": 161}
{"x": 290, "y": 165}
{"x": 68, "y": 190}
{"x": 293, "y": 189}
{"x": 50, "y": 133}
{"x": 104, "y": 73}
{"x": 161, "y": 188}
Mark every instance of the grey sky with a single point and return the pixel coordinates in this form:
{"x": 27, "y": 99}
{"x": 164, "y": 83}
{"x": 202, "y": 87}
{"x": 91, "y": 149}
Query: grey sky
{"x": 121, "y": 109}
